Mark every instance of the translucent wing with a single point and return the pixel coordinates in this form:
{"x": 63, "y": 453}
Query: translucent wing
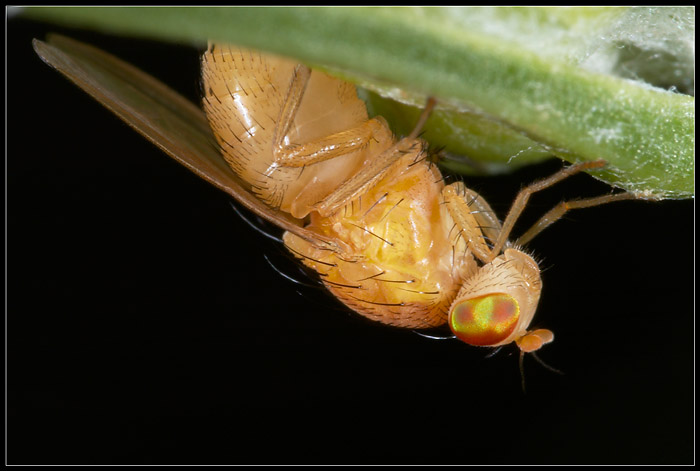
{"x": 157, "y": 112}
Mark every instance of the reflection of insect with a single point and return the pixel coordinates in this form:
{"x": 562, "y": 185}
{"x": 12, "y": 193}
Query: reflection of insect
{"x": 375, "y": 227}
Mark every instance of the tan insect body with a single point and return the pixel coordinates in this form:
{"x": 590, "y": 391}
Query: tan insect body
{"x": 414, "y": 244}
{"x": 369, "y": 213}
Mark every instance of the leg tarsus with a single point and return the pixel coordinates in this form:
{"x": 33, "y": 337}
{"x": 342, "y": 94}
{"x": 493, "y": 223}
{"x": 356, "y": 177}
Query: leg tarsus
{"x": 521, "y": 200}
{"x": 559, "y": 210}
{"x": 292, "y": 101}
{"x": 425, "y": 114}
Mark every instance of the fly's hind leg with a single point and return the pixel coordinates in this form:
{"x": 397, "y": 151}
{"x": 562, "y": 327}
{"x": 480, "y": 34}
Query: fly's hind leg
{"x": 327, "y": 147}
{"x": 409, "y": 147}
{"x": 341, "y": 143}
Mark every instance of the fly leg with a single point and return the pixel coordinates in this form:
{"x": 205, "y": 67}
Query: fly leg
{"x": 334, "y": 145}
{"x": 341, "y": 143}
{"x": 338, "y": 144}
{"x": 409, "y": 147}
{"x": 474, "y": 219}
{"x": 558, "y": 211}
{"x": 369, "y": 175}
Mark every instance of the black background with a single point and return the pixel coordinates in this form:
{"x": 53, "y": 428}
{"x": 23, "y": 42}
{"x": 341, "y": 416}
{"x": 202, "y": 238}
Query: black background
{"x": 145, "y": 326}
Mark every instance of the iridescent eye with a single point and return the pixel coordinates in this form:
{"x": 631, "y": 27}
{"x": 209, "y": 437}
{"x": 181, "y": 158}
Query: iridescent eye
{"x": 486, "y": 320}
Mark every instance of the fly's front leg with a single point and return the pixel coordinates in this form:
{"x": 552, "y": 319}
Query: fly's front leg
{"x": 474, "y": 219}
{"x": 558, "y": 211}
{"x": 334, "y": 145}
{"x": 521, "y": 200}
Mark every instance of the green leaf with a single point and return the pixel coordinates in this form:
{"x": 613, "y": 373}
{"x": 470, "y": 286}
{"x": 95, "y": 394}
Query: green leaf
{"x": 515, "y": 84}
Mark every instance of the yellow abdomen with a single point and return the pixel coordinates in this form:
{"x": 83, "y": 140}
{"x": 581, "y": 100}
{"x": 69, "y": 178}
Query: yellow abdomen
{"x": 404, "y": 270}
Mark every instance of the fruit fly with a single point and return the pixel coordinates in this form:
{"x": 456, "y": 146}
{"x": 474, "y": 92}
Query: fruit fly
{"x": 388, "y": 238}
{"x": 368, "y": 212}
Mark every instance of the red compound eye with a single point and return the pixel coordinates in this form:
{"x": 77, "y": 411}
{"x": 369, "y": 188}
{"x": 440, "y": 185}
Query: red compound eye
{"x": 486, "y": 320}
